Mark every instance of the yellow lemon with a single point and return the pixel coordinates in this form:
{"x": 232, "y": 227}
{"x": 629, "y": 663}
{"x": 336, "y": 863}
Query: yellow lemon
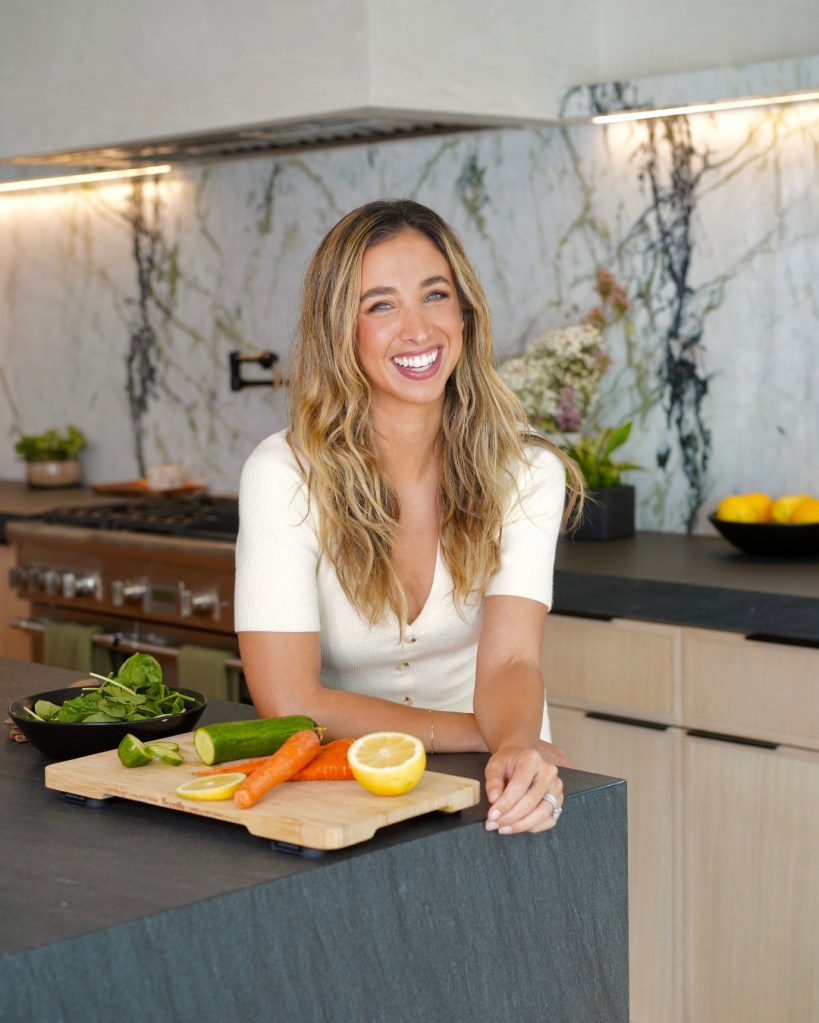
{"x": 736, "y": 508}
{"x": 762, "y": 505}
{"x": 783, "y": 507}
{"x": 807, "y": 511}
{"x": 387, "y": 763}
{"x": 216, "y": 786}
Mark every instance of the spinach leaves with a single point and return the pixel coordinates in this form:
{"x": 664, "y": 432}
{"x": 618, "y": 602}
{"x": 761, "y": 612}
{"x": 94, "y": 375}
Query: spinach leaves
{"x": 137, "y": 692}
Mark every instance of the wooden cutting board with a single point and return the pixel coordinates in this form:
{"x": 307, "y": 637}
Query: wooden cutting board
{"x": 307, "y": 814}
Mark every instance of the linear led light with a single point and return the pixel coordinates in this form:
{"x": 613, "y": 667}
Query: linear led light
{"x": 81, "y": 179}
{"x": 705, "y": 108}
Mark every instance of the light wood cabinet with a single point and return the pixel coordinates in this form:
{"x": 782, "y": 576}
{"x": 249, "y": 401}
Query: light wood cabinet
{"x": 613, "y": 689}
{"x": 723, "y": 802}
{"x": 12, "y": 643}
{"x": 751, "y": 883}
{"x": 649, "y": 760}
{"x": 751, "y": 811}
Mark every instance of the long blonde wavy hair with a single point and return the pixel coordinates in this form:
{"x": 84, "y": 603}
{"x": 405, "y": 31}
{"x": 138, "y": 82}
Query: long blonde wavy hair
{"x": 483, "y": 428}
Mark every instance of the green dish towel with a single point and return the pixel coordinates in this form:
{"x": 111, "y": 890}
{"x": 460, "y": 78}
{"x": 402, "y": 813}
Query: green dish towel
{"x": 68, "y": 645}
{"x": 205, "y": 670}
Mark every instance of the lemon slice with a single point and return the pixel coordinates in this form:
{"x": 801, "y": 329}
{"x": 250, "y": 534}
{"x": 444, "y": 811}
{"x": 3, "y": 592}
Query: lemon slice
{"x": 217, "y": 786}
{"x": 132, "y": 752}
{"x": 387, "y": 763}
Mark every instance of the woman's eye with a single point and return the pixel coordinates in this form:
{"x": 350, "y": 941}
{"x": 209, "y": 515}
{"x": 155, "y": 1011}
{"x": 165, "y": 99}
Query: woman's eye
{"x": 436, "y": 296}
{"x": 378, "y": 307}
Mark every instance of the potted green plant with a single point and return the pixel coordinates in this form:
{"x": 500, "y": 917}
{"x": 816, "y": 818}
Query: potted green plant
{"x": 557, "y": 381}
{"x": 52, "y": 458}
{"x": 609, "y": 511}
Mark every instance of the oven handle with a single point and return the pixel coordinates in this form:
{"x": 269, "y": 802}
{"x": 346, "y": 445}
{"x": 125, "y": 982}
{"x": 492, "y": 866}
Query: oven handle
{"x": 118, "y": 641}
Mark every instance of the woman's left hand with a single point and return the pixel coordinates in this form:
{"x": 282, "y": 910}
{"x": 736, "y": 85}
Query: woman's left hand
{"x": 520, "y": 785}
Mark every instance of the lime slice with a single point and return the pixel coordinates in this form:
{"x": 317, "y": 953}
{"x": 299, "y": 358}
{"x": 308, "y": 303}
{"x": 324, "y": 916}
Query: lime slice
{"x": 132, "y": 752}
{"x": 165, "y": 755}
{"x": 217, "y": 786}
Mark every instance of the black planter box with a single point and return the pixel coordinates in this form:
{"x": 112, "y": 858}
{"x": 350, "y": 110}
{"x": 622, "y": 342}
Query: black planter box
{"x": 607, "y": 515}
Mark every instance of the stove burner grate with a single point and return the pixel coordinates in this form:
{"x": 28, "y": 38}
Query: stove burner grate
{"x": 204, "y": 517}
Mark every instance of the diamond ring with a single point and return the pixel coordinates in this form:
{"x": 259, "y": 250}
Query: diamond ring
{"x": 556, "y": 808}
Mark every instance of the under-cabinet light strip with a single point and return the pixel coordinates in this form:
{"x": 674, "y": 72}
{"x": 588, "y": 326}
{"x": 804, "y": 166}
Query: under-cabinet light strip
{"x": 705, "y": 108}
{"x": 81, "y": 179}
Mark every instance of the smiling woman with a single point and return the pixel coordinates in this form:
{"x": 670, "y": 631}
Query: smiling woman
{"x": 396, "y": 542}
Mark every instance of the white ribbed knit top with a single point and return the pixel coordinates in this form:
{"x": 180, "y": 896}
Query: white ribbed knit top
{"x": 284, "y": 585}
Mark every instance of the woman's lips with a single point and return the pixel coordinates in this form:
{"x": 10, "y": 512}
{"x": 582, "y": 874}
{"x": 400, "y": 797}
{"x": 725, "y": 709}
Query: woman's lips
{"x": 419, "y": 365}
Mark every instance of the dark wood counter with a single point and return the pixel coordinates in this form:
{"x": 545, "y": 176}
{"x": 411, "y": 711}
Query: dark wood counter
{"x": 135, "y": 912}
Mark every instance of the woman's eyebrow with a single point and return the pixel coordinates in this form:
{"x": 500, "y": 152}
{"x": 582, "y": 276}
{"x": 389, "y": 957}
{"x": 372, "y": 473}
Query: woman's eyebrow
{"x": 385, "y": 289}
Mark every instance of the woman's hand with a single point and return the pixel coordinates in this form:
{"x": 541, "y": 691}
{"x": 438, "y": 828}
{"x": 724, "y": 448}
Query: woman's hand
{"x": 518, "y": 781}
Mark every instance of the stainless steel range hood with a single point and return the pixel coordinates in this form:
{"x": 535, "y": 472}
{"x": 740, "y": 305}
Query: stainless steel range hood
{"x": 269, "y": 139}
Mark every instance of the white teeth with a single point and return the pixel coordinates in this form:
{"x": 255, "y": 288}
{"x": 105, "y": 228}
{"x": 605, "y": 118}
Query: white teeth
{"x": 416, "y": 361}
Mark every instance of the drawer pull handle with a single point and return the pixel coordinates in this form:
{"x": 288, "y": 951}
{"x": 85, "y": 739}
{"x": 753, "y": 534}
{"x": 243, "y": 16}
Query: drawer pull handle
{"x": 619, "y": 719}
{"x": 740, "y": 740}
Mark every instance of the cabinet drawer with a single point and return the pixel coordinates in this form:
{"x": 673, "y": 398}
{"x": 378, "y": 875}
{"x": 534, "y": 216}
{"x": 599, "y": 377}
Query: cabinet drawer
{"x": 756, "y": 690}
{"x": 625, "y": 667}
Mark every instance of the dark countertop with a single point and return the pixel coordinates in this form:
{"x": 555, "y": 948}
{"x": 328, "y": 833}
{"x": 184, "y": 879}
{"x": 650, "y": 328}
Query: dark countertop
{"x": 689, "y": 580}
{"x": 197, "y": 919}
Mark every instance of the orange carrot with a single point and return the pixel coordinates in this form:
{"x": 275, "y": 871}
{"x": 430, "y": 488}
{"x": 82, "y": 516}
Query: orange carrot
{"x": 329, "y": 764}
{"x": 246, "y": 766}
{"x": 290, "y": 757}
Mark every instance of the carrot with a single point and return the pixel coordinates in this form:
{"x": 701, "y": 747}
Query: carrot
{"x": 290, "y": 757}
{"x": 329, "y": 764}
{"x": 245, "y": 766}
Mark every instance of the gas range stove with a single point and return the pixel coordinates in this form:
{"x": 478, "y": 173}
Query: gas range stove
{"x": 201, "y": 518}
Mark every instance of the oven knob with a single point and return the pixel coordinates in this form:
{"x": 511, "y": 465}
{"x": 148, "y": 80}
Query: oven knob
{"x": 51, "y": 582}
{"x": 80, "y": 585}
{"x": 18, "y": 577}
{"x": 201, "y": 602}
{"x": 127, "y": 592}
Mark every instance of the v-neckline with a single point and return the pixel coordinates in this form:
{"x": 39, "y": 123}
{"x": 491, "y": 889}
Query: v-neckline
{"x": 435, "y": 573}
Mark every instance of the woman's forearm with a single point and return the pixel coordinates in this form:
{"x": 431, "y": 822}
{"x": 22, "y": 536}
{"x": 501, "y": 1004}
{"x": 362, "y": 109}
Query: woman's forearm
{"x": 344, "y": 713}
{"x": 509, "y": 705}
{"x": 283, "y": 673}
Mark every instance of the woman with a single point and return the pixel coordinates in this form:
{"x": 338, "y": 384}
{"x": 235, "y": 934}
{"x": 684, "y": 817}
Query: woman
{"x": 396, "y": 542}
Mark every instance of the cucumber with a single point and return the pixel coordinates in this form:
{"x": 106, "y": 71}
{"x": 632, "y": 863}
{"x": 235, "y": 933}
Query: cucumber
{"x": 243, "y": 740}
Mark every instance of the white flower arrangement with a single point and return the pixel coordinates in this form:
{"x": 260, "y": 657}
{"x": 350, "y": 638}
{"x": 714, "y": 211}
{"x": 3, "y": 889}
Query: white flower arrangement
{"x": 557, "y": 378}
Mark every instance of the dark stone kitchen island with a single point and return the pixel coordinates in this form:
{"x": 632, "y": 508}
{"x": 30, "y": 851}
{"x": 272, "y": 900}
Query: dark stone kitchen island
{"x": 134, "y": 912}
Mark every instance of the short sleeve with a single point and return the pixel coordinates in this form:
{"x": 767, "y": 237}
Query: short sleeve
{"x": 531, "y": 529}
{"x": 277, "y": 548}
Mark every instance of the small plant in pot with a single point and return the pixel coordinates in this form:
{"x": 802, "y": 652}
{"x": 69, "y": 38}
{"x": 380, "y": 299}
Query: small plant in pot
{"x": 609, "y": 511}
{"x": 52, "y": 458}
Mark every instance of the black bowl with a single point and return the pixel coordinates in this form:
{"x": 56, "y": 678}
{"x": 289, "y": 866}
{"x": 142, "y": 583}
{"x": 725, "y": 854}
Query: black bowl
{"x": 771, "y": 539}
{"x": 64, "y": 740}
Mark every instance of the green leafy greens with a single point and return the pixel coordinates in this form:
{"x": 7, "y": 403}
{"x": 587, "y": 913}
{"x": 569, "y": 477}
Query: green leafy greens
{"x": 137, "y": 692}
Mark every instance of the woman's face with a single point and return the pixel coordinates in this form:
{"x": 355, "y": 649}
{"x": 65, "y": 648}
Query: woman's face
{"x": 410, "y": 324}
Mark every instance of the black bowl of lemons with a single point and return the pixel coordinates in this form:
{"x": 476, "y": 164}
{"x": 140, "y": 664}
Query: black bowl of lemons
{"x": 757, "y": 524}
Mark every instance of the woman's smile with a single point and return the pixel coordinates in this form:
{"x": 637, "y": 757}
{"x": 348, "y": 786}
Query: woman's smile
{"x": 418, "y": 366}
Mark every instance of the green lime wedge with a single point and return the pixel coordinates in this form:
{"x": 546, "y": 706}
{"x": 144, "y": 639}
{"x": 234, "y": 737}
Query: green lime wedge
{"x": 132, "y": 752}
{"x": 166, "y": 756}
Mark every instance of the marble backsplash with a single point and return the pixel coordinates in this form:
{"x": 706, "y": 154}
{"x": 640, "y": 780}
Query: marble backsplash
{"x": 120, "y": 303}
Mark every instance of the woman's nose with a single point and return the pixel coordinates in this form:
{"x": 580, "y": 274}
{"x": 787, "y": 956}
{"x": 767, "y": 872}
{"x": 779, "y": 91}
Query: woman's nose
{"x": 415, "y": 324}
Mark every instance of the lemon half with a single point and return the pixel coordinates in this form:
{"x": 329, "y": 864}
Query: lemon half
{"x": 387, "y": 763}
{"x": 217, "y": 786}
